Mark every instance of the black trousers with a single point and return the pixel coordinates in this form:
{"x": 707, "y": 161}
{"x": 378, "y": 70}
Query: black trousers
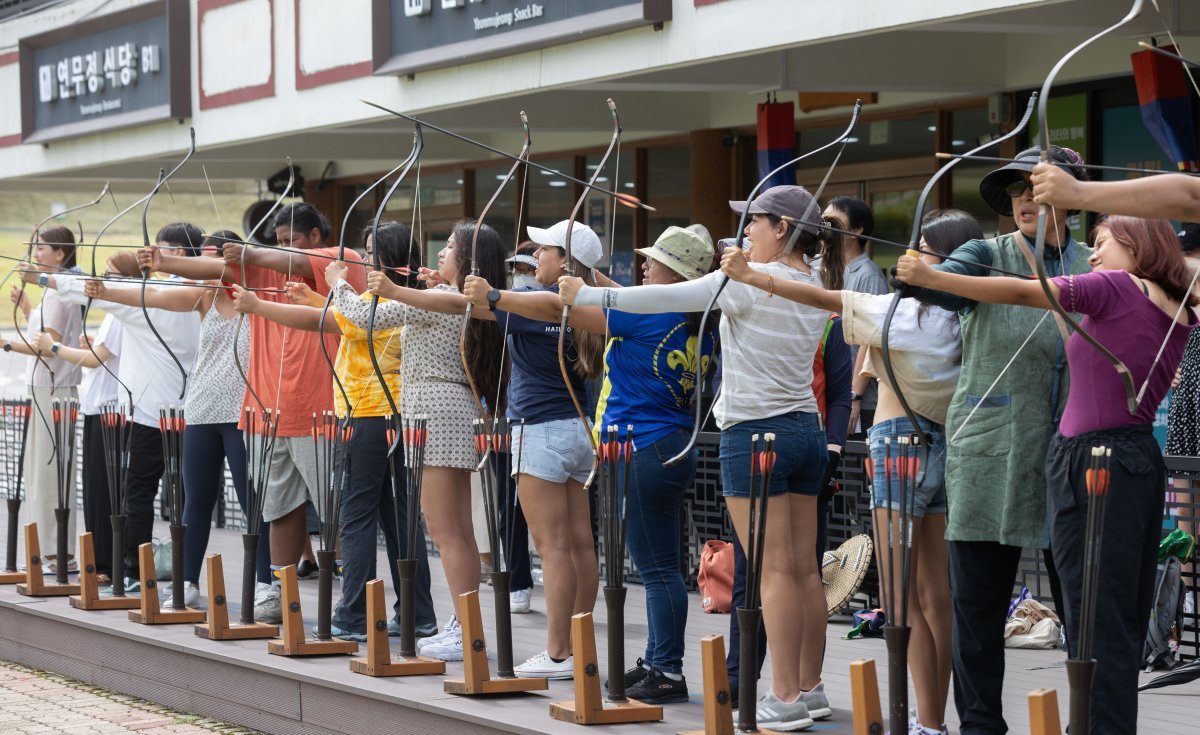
{"x": 145, "y": 471}
{"x": 367, "y": 506}
{"x": 1128, "y": 557}
{"x": 97, "y": 508}
{"x": 514, "y": 527}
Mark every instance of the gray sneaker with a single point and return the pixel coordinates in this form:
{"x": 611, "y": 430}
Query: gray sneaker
{"x": 773, "y": 714}
{"x": 268, "y": 604}
{"x": 817, "y": 702}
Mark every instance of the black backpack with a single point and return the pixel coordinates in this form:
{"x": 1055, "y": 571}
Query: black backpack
{"x": 1166, "y": 617}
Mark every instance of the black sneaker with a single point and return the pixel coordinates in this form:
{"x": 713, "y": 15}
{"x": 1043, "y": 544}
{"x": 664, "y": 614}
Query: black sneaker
{"x": 658, "y": 688}
{"x": 632, "y": 676}
{"x": 306, "y": 569}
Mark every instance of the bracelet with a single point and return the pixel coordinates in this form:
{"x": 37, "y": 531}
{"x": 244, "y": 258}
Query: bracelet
{"x": 770, "y": 286}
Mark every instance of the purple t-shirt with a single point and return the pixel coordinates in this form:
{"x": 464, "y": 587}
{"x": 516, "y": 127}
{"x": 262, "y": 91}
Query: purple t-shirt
{"x": 1132, "y": 327}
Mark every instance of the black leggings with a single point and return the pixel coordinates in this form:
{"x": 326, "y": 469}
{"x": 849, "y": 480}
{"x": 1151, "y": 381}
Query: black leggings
{"x": 206, "y": 447}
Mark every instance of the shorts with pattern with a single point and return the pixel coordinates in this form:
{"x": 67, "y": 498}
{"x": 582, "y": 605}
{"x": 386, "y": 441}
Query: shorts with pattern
{"x": 451, "y": 409}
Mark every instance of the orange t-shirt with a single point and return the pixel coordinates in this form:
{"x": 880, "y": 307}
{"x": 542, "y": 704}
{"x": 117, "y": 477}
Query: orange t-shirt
{"x": 302, "y": 378}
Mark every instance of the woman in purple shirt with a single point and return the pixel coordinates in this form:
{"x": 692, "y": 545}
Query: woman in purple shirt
{"x": 1135, "y": 301}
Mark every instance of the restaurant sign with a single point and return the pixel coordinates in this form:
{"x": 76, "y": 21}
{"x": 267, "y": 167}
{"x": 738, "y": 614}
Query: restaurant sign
{"x": 125, "y": 68}
{"x": 417, "y": 35}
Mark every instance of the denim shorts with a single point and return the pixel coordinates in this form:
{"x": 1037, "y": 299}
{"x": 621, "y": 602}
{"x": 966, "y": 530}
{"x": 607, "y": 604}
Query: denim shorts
{"x": 930, "y": 494}
{"x": 800, "y": 454}
{"x": 554, "y": 451}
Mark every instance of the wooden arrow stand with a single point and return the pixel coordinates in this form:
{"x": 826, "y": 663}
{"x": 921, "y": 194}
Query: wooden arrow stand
{"x": 476, "y": 678}
{"x": 218, "y": 627}
{"x": 13, "y": 577}
{"x": 864, "y": 698}
{"x": 150, "y": 612}
{"x": 1043, "y": 712}
{"x": 589, "y": 708}
{"x": 89, "y": 589}
{"x": 379, "y": 653}
{"x": 35, "y": 584}
{"x": 295, "y": 642}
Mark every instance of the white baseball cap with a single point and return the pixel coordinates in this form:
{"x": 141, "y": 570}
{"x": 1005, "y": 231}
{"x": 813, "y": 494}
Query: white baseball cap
{"x": 585, "y": 245}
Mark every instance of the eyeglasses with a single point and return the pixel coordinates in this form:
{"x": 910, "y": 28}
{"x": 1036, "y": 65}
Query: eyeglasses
{"x": 1018, "y": 188}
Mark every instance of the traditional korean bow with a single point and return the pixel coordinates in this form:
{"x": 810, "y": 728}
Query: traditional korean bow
{"x": 237, "y": 330}
{"x": 1043, "y": 211}
{"x": 413, "y": 157}
{"x": 914, "y": 245}
{"x": 33, "y": 239}
{"x": 522, "y": 158}
{"x": 146, "y": 271}
{"x": 841, "y": 141}
{"x": 569, "y": 269}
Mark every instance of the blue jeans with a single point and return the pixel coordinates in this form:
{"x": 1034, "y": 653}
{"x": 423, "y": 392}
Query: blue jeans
{"x": 367, "y": 505}
{"x": 800, "y": 454}
{"x": 652, "y": 507}
{"x": 206, "y": 448}
{"x": 929, "y": 497}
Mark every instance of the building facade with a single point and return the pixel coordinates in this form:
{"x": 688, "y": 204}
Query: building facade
{"x": 107, "y": 90}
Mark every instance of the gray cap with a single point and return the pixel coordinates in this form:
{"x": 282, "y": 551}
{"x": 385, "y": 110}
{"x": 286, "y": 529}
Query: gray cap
{"x": 784, "y": 201}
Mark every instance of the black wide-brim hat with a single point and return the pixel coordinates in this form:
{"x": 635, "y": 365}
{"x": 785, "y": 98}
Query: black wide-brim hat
{"x": 991, "y": 187}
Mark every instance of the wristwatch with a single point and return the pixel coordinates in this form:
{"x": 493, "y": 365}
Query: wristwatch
{"x": 43, "y": 279}
{"x": 493, "y": 298}
{"x": 7, "y": 347}
{"x": 54, "y": 348}
{"x": 855, "y": 397}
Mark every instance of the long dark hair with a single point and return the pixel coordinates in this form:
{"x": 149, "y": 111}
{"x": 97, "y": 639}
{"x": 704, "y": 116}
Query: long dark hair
{"x": 484, "y": 346}
{"x": 825, "y": 244}
{"x": 944, "y": 230}
{"x": 61, "y": 239}
{"x": 393, "y": 239}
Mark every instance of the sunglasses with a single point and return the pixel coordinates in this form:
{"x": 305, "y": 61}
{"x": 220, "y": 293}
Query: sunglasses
{"x": 1018, "y": 188}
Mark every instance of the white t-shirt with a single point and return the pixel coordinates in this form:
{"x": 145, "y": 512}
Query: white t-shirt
{"x": 98, "y": 386}
{"x": 768, "y": 343}
{"x": 147, "y": 368}
{"x": 926, "y": 356}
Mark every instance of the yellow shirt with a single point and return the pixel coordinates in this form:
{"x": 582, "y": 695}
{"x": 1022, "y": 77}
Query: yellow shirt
{"x": 353, "y": 366}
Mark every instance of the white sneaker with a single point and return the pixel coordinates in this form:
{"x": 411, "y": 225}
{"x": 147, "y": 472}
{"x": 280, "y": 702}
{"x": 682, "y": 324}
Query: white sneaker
{"x": 439, "y": 635}
{"x": 774, "y": 714}
{"x": 542, "y": 665}
{"x": 518, "y": 601}
{"x": 191, "y": 597}
{"x": 446, "y": 646}
{"x": 268, "y": 603}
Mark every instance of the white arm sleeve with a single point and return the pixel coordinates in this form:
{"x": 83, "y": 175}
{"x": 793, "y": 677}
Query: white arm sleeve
{"x": 685, "y": 296}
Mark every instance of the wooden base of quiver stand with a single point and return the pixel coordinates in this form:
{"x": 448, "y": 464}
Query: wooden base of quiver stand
{"x": 476, "y": 679}
{"x": 35, "y": 584}
{"x": 218, "y": 627}
{"x": 89, "y": 597}
{"x": 589, "y": 707}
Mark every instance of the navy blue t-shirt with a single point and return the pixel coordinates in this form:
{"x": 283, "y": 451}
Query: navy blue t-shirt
{"x": 536, "y": 392}
{"x": 650, "y": 369}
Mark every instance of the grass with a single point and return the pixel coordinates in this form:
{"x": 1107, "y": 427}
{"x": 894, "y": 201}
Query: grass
{"x": 19, "y": 211}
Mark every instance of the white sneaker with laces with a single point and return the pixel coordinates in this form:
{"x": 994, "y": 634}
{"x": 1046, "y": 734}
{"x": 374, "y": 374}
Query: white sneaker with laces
{"x": 438, "y": 636}
{"x": 268, "y": 603}
{"x": 774, "y": 714}
{"x": 542, "y": 665}
{"x": 191, "y": 597}
{"x": 446, "y": 646}
{"x": 518, "y": 601}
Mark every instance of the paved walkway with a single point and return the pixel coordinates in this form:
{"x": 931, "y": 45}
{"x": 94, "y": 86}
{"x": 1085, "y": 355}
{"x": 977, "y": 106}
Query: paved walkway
{"x": 40, "y": 703}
